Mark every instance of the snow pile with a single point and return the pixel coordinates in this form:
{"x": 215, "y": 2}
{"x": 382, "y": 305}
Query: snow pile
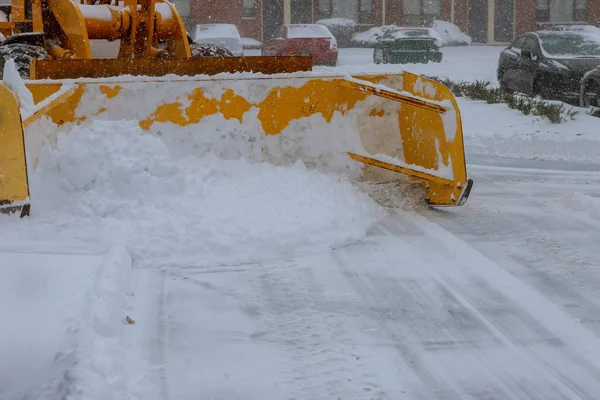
{"x": 62, "y": 321}
{"x": 12, "y": 79}
{"x": 495, "y": 129}
{"x": 450, "y": 34}
{"x": 581, "y": 202}
{"x": 111, "y": 184}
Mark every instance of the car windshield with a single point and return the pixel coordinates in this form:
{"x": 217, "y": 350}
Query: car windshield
{"x": 571, "y": 45}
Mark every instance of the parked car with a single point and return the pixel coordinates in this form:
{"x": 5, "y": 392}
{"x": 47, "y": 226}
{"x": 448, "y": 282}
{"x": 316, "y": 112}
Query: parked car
{"x": 589, "y": 94}
{"x": 304, "y": 39}
{"x": 406, "y": 45}
{"x": 549, "y": 64}
{"x": 225, "y": 35}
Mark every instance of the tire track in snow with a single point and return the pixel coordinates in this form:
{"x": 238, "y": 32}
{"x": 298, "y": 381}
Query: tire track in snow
{"x": 556, "y": 351}
{"x": 145, "y": 341}
{"x": 462, "y": 328}
{"x": 539, "y": 239}
{"x": 407, "y": 311}
{"x": 322, "y": 364}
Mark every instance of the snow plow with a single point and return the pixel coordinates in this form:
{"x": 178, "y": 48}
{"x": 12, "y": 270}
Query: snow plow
{"x": 273, "y": 109}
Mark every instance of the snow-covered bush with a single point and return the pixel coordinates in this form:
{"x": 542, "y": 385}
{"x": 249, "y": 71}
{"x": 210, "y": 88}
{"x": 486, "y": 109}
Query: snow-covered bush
{"x": 450, "y": 34}
{"x": 341, "y": 28}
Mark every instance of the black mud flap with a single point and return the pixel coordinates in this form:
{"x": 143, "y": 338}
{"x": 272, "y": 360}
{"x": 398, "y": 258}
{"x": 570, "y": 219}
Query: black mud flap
{"x": 465, "y": 193}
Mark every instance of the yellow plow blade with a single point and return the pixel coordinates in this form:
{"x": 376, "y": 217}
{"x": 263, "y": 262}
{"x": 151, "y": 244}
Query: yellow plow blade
{"x": 106, "y": 68}
{"x": 14, "y": 188}
{"x": 401, "y": 123}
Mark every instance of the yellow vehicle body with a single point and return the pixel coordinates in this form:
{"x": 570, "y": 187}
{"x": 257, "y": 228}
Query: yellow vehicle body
{"x": 274, "y": 109}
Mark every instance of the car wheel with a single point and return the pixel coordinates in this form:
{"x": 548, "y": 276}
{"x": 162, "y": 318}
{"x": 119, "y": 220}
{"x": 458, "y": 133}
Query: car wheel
{"x": 591, "y": 94}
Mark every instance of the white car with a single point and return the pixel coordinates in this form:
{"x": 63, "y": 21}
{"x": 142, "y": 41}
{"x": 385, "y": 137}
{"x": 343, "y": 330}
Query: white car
{"x": 225, "y": 35}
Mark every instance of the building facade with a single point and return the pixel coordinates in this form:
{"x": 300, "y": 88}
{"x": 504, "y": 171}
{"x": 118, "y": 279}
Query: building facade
{"x": 486, "y": 21}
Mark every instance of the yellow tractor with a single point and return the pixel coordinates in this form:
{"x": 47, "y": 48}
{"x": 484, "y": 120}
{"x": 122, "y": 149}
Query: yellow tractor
{"x": 277, "y": 108}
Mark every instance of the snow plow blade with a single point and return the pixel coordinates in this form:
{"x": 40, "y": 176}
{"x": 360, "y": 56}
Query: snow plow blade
{"x": 360, "y": 126}
{"x": 14, "y": 188}
{"x": 106, "y": 68}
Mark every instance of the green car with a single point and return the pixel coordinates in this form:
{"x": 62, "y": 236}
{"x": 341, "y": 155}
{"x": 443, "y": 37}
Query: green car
{"x": 406, "y": 46}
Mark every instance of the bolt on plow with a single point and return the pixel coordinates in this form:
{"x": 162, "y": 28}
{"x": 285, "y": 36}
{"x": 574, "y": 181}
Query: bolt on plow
{"x": 273, "y": 109}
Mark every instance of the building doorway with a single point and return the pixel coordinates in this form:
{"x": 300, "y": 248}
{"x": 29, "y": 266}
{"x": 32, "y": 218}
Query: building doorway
{"x": 301, "y": 12}
{"x": 478, "y": 20}
{"x": 272, "y": 17}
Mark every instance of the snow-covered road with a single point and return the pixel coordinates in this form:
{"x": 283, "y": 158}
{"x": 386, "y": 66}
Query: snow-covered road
{"x": 496, "y": 300}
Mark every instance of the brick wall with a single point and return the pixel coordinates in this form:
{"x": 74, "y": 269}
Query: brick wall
{"x": 594, "y": 12}
{"x": 227, "y": 12}
{"x": 526, "y": 17}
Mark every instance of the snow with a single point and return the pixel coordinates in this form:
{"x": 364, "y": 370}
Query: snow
{"x": 61, "y": 323}
{"x": 442, "y": 172}
{"x": 395, "y": 32}
{"x": 12, "y": 80}
{"x": 134, "y": 192}
{"x": 249, "y": 42}
{"x": 497, "y": 130}
{"x": 336, "y": 21}
{"x": 246, "y": 279}
{"x": 212, "y": 31}
{"x": 308, "y": 31}
{"x": 450, "y": 34}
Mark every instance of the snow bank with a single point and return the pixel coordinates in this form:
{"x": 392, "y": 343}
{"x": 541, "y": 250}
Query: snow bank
{"x": 580, "y": 202}
{"x": 111, "y": 184}
{"x": 495, "y": 129}
{"x": 450, "y": 34}
{"x": 61, "y": 324}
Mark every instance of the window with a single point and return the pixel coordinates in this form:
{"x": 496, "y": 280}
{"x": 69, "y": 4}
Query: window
{"x": 365, "y": 8}
{"x": 558, "y": 11}
{"x": 530, "y": 46}
{"x": 324, "y": 9}
{"x": 421, "y": 12}
{"x": 518, "y": 44}
{"x": 248, "y": 9}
